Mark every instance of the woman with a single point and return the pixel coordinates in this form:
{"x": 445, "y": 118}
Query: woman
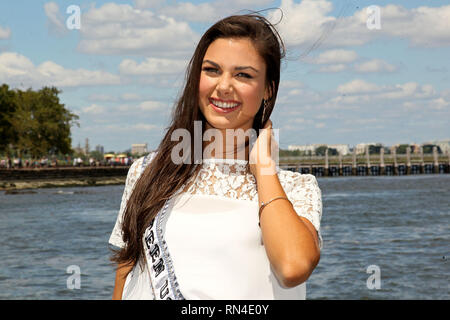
{"x": 232, "y": 226}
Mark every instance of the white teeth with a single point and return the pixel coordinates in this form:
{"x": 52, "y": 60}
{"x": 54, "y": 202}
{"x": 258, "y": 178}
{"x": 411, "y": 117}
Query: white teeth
{"x": 225, "y": 105}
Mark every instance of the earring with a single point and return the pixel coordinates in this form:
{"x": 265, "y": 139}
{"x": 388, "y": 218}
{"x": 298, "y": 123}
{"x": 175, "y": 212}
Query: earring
{"x": 264, "y": 111}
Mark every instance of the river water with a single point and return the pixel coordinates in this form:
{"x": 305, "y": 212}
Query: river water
{"x": 384, "y": 238}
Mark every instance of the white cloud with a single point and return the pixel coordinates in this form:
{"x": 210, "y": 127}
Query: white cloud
{"x": 130, "y": 96}
{"x": 152, "y": 66}
{"x": 401, "y": 91}
{"x": 301, "y": 120}
{"x": 302, "y": 22}
{"x": 350, "y": 100}
{"x": 209, "y": 12}
{"x": 101, "y": 97}
{"x": 121, "y": 127}
{"x": 122, "y": 29}
{"x": 439, "y": 103}
{"x": 360, "y": 91}
{"x": 309, "y": 25}
{"x": 14, "y": 65}
{"x": 202, "y": 12}
{"x": 94, "y": 109}
{"x": 333, "y": 68}
{"x": 291, "y": 84}
{"x": 336, "y": 56}
{"x": 320, "y": 125}
{"x": 145, "y": 4}
{"x": 374, "y": 65}
{"x": 55, "y": 18}
{"x": 357, "y": 86}
{"x": 147, "y": 105}
{"x": 422, "y": 26}
{"x": 5, "y": 33}
{"x": 145, "y": 126}
{"x": 17, "y": 69}
{"x": 151, "y": 105}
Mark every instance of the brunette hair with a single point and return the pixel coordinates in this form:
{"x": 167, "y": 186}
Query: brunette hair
{"x": 160, "y": 180}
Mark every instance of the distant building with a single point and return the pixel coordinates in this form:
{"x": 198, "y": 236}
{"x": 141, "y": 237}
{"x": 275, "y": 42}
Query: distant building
{"x": 394, "y": 147}
{"x": 415, "y": 148}
{"x": 78, "y": 149}
{"x": 361, "y": 147}
{"x": 341, "y": 148}
{"x": 444, "y": 145}
{"x": 86, "y": 146}
{"x": 305, "y": 148}
{"x": 100, "y": 149}
{"x": 139, "y": 148}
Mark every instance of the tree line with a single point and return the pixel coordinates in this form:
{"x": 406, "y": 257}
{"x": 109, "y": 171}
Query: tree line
{"x": 34, "y": 123}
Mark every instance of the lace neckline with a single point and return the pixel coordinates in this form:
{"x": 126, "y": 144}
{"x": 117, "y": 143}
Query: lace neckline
{"x": 227, "y": 161}
{"x": 229, "y": 178}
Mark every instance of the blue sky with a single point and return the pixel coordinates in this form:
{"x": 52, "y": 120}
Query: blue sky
{"x": 388, "y": 85}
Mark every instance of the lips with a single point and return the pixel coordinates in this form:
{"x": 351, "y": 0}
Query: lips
{"x": 224, "y": 106}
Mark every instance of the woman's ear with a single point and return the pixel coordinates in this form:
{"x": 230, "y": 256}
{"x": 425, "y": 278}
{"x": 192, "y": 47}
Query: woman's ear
{"x": 268, "y": 94}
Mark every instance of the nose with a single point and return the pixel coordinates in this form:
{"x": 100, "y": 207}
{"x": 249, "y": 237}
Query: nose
{"x": 225, "y": 85}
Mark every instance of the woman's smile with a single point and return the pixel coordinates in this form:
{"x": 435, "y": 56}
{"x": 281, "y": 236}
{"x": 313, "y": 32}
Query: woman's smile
{"x": 223, "y": 106}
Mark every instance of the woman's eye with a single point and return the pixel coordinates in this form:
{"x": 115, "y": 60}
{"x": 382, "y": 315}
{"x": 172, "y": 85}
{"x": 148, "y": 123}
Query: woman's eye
{"x": 209, "y": 69}
{"x": 214, "y": 70}
{"x": 245, "y": 75}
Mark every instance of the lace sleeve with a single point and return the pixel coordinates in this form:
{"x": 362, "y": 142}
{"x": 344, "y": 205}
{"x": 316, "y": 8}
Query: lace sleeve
{"x": 304, "y": 193}
{"x": 132, "y": 176}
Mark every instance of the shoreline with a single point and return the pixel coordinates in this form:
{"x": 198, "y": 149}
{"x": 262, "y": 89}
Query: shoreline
{"x": 21, "y": 186}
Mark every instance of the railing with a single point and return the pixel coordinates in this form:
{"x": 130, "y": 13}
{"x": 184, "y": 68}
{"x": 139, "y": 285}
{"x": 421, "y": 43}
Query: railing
{"x": 365, "y": 164}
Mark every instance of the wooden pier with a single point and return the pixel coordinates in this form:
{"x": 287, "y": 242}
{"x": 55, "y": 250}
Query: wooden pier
{"x": 369, "y": 165}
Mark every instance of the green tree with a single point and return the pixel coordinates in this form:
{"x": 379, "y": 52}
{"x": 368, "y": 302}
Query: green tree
{"x": 97, "y": 155}
{"x": 41, "y": 123}
{"x": 332, "y": 152}
{"x": 8, "y": 106}
{"x": 428, "y": 148}
{"x": 289, "y": 153}
{"x": 375, "y": 149}
{"x": 401, "y": 149}
{"x": 320, "y": 151}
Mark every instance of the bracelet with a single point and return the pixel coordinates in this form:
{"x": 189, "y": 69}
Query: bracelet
{"x": 263, "y": 205}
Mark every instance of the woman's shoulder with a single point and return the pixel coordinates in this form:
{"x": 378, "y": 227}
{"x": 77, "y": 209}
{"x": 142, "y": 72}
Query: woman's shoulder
{"x": 295, "y": 178}
{"x": 138, "y": 166}
{"x": 145, "y": 160}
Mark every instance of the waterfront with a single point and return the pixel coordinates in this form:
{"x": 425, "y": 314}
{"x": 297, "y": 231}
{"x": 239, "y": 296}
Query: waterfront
{"x": 398, "y": 223}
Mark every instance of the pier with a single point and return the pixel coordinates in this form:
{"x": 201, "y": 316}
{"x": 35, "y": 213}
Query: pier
{"x": 369, "y": 165}
{"x": 319, "y": 166}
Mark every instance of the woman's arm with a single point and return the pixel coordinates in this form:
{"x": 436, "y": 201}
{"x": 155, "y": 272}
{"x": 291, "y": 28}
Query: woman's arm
{"x": 121, "y": 275}
{"x": 290, "y": 241}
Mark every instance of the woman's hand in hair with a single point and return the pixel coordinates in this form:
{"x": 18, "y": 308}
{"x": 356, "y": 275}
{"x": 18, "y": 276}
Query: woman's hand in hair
{"x": 261, "y": 154}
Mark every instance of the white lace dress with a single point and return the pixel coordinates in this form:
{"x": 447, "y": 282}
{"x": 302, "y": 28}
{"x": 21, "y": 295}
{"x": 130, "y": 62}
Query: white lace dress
{"x": 206, "y": 244}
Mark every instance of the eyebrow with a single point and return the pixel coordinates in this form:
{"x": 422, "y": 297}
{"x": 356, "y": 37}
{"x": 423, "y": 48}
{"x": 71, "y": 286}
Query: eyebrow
{"x": 236, "y": 68}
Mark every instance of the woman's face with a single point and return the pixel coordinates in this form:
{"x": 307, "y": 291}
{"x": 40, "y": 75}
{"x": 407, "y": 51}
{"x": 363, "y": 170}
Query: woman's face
{"x": 232, "y": 84}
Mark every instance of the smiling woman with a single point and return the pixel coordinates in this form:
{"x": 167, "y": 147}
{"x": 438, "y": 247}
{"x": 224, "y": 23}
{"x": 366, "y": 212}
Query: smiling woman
{"x": 224, "y": 228}
{"x": 234, "y": 90}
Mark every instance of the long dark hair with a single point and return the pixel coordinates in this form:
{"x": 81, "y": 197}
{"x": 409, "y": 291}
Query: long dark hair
{"x": 163, "y": 177}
